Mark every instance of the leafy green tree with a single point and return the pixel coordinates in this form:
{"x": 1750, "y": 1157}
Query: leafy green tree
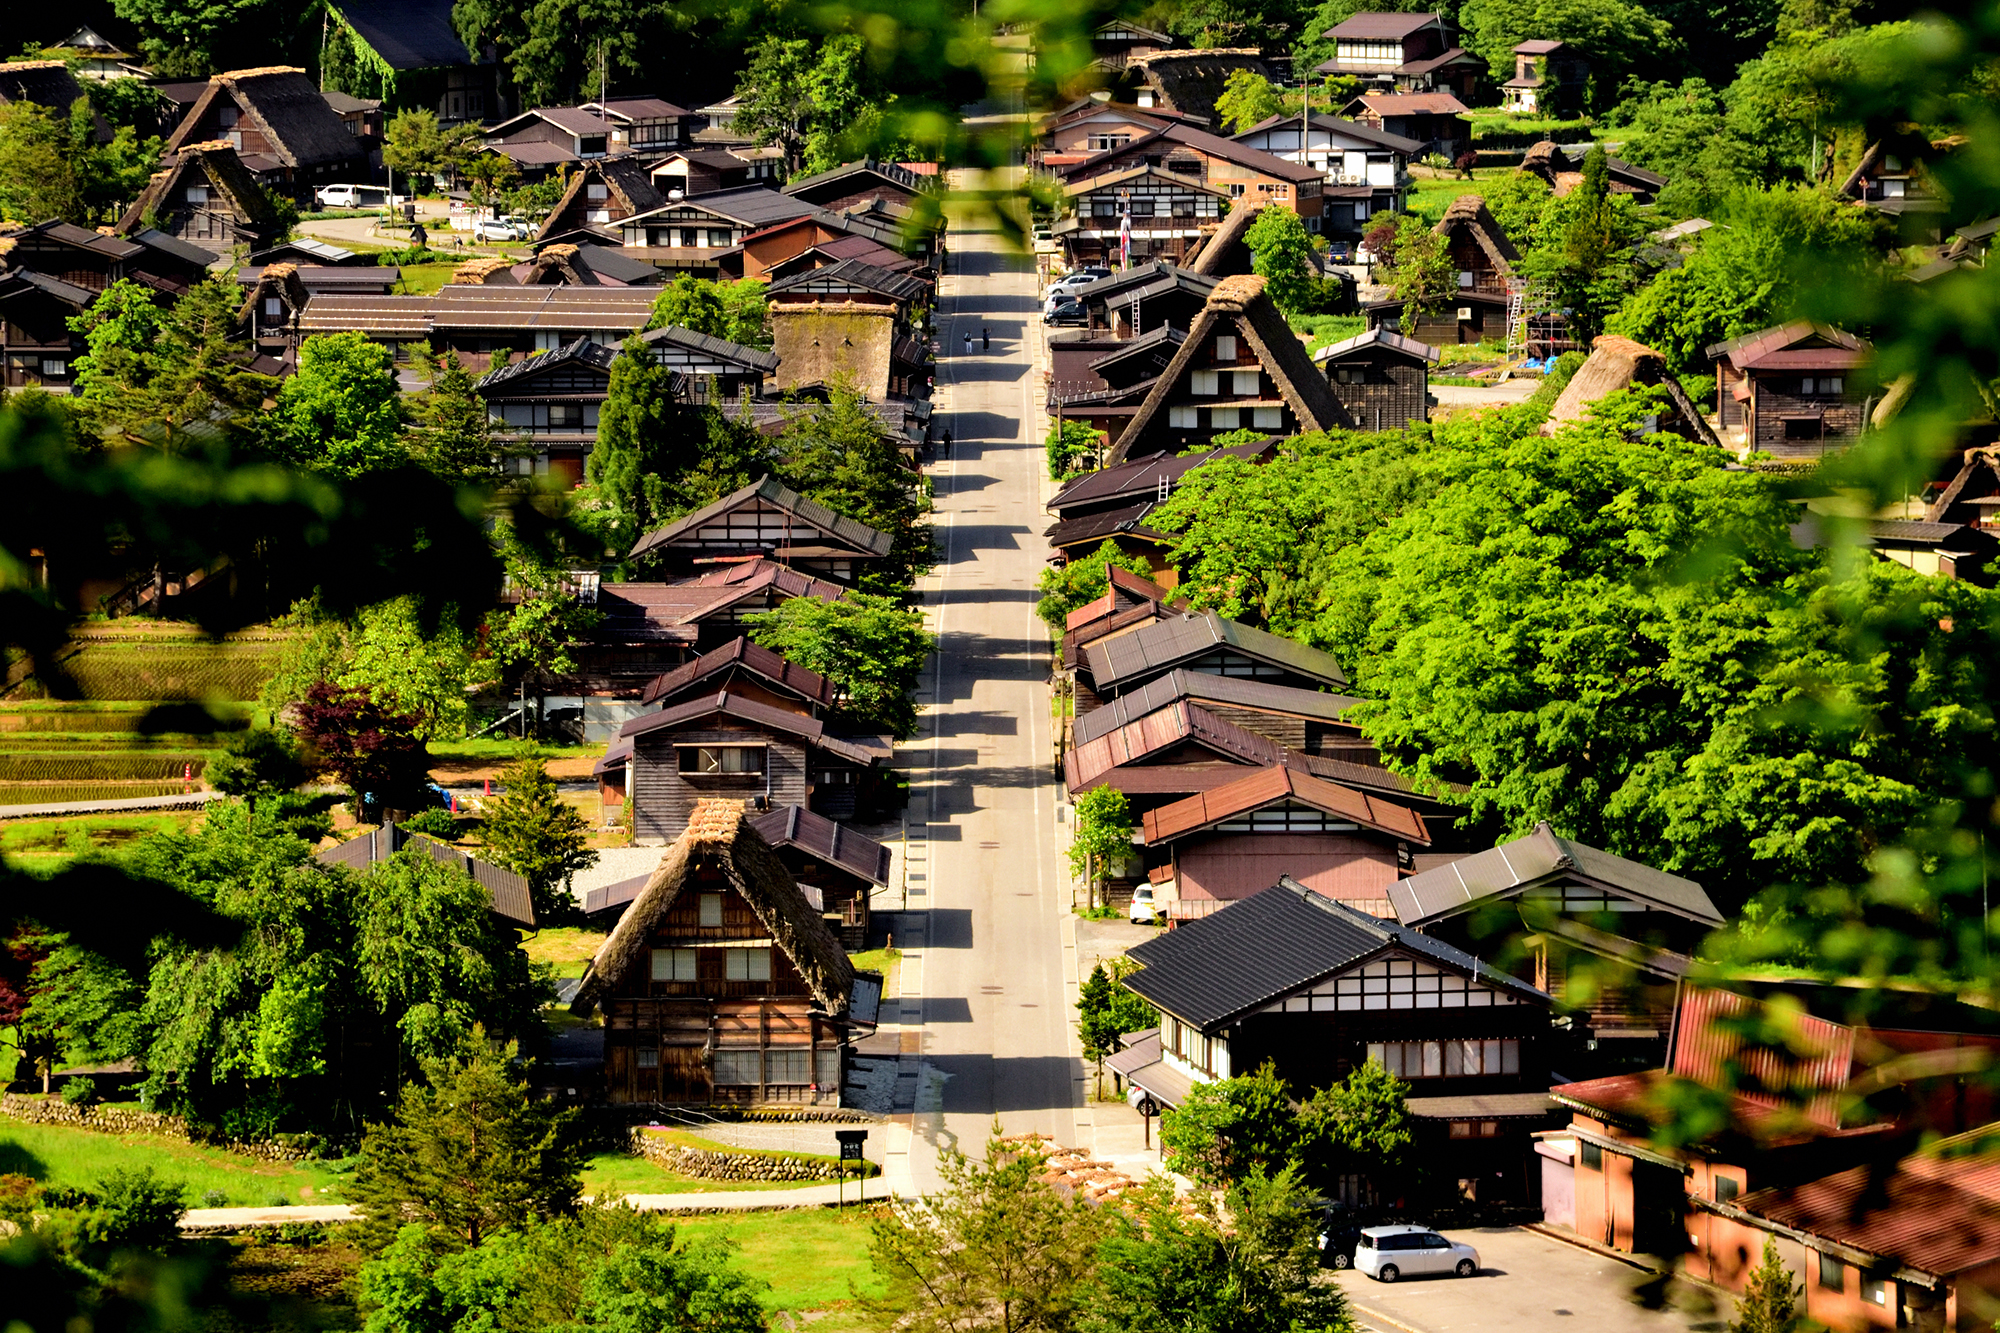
{"x": 553, "y": 52}
{"x": 1071, "y": 448}
{"x": 82, "y": 1007}
{"x": 1104, "y": 827}
{"x": 870, "y": 648}
{"x": 167, "y": 377}
{"x": 1107, "y": 1011}
{"x": 538, "y": 636}
{"x": 340, "y": 413}
{"x": 182, "y": 41}
{"x": 1281, "y": 253}
{"x": 414, "y": 144}
{"x": 641, "y": 446}
{"x": 1618, "y": 35}
{"x": 1516, "y": 202}
{"x": 995, "y": 1247}
{"x": 839, "y": 453}
{"x": 1183, "y": 1264}
{"x": 1421, "y": 273}
{"x": 52, "y": 166}
{"x": 1580, "y": 254}
{"x": 1229, "y": 1129}
{"x": 408, "y": 670}
{"x": 806, "y": 100}
{"x": 1770, "y": 1299}
{"x": 691, "y": 303}
{"x": 262, "y": 761}
{"x": 1079, "y": 582}
{"x": 532, "y": 831}
{"x": 1360, "y": 1125}
{"x": 471, "y": 1152}
{"x": 450, "y": 430}
{"x": 1247, "y": 99}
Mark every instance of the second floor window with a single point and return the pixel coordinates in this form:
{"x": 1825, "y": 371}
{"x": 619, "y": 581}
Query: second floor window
{"x": 712, "y": 759}
{"x": 746, "y": 964}
{"x": 1828, "y": 386}
{"x": 1448, "y": 1059}
{"x": 674, "y": 964}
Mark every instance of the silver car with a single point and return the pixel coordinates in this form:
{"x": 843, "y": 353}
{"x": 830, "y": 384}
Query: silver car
{"x": 1389, "y": 1253}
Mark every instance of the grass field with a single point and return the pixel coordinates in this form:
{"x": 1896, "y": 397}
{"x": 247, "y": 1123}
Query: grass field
{"x": 505, "y": 750}
{"x": 1430, "y": 196}
{"x": 1488, "y": 121}
{"x": 815, "y": 1259}
{"x": 622, "y": 1173}
{"x": 59, "y": 1155}
{"x": 37, "y": 841}
{"x": 566, "y": 948}
{"x": 1321, "y": 330}
{"x": 424, "y": 279}
{"x": 141, "y": 660}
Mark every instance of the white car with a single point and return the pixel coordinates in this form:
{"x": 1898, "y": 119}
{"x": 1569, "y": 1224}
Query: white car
{"x": 1389, "y": 1253}
{"x": 358, "y": 196}
{"x": 1145, "y": 911}
{"x": 499, "y": 229}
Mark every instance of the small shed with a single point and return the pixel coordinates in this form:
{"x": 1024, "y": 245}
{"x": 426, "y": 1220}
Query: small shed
{"x": 1381, "y": 378}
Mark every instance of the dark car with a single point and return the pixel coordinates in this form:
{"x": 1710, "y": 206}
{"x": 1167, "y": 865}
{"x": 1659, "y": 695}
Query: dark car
{"x": 1068, "y": 313}
{"x": 1340, "y": 1227}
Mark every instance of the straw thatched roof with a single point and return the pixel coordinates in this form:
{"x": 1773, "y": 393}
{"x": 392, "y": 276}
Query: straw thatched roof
{"x": 1241, "y": 302}
{"x": 819, "y": 343}
{"x": 624, "y": 180}
{"x": 279, "y": 100}
{"x": 1619, "y": 363}
{"x": 234, "y": 187}
{"x": 1469, "y": 212}
{"x": 477, "y": 272}
{"x": 718, "y": 837}
{"x": 1221, "y": 253}
{"x": 279, "y": 280}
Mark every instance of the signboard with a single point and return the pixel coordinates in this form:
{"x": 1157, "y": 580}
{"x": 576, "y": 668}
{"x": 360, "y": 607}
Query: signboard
{"x": 850, "y": 1143}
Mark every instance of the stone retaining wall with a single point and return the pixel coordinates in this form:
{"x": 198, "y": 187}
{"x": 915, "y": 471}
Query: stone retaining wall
{"x": 744, "y": 1165}
{"x": 124, "y": 1120}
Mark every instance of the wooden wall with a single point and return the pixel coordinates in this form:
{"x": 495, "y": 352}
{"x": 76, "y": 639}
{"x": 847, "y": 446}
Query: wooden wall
{"x": 1393, "y": 393}
{"x": 664, "y": 798}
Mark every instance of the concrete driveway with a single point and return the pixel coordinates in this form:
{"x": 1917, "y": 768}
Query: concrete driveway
{"x": 1530, "y": 1284}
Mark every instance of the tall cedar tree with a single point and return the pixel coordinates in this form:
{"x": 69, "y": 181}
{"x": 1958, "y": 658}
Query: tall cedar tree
{"x": 165, "y": 377}
{"x": 471, "y": 1151}
{"x": 837, "y": 453}
{"x": 1107, "y": 1011}
{"x": 450, "y": 431}
{"x": 639, "y": 447}
{"x": 869, "y": 647}
{"x": 533, "y": 832}
{"x": 996, "y": 1247}
{"x": 373, "y": 749}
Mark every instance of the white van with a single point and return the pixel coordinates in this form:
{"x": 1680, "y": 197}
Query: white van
{"x": 357, "y": 196}
{"x": 1392, "y": 1252}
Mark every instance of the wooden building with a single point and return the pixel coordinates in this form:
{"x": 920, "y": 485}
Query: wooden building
{"x": 1365, "y": 168}
{"x": 721, "y": 984}
{"x": 543, "y": 138}
{"x": 1203, "y": 642}
{"x": 1549, "y": 79}
{"x": 550, "y": 403}
{"x": 1235, "y": 840}
{"x": 766, "y": 518}
{"x": 854, "y": 322}
{"x": 1189, "y": 82}
{"x": 718, "y": 370}
{"x": 1317, "y": 988}
{"x": 853, "y": 185}
{"x": 1412, "y": 53}
{"x": 35, "y": 337}
{"x": 1381, "y": 379}
{"x": 1116, "y": 44}
{"x": 208, "y": 198}
{"x": 1134, "y": 214}
{"x": 1088, "y": 127}
{"x": 814, "y": 241}
{"x": 601, "y": 196}
{"x": 1241, "y": 366}
{"x": 695, "y": 171}
{"x": 1141, "y": 300}
{"x": 511, "y": 900}
{"x": 1238, "y": 171}
{"x": 1893, "y": 177}
{"x": 93, "y": 260}
{"x": 408, "y": 55}
{"x": 1484, "y": 260}
{"x": 1616, "y": 364}
{"x": 836, "y": 868}
{"x": 643, "y": 124}
{"x": 282, "y": 131}
{"x": 692, "y": 234}
{"x": 1435, "y": 120}
{"x": 1793, "y": 391}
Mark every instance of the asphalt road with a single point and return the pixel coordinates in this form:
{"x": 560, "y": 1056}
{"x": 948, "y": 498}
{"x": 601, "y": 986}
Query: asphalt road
{"x": 994, "y": 1017}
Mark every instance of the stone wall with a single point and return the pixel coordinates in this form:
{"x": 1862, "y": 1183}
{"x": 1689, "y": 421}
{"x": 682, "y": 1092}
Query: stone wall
{"x": 744, "y": 1165}
{"x": 124, "y": 1120}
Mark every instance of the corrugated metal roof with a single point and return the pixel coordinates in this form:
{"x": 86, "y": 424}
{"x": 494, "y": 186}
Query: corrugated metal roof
{"x": 507, "y": 890}
{"x": 1482, "y": 1106}
{"x": 1132, "y": 659}
{"x": 859, "y": 749}
{"x": 1271, "y": 786}
{"x": 1542, "y": 857}
{"x": 383, "y": 316}
{"x": 1135, "y": 741}
{"x": 796, "y": 826}
{"x": 1219, "y": 967}
{"x": 1816, "y": 1061}
{"x": 1143, "y": 476}
{"x": 1205, "y": 688}
{"x": 719, "y": 348}
{"x": 582, "y": 309}
{"x": 863, "y": 540}
{"x": 807, "y": 686}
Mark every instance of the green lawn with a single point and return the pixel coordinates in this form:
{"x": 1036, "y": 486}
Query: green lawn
{"x": 815, "y": 1259}
{"x": 505, "y": 749}
{"x": 59, "y": 1155}
{"x": 1430, "y": 196}
{"x": 623, "y": 1173}
{"x": 1323, "y": 330}
{"x": 424, "y": 279}
{"x": 566, "y": 948}
{"x": 889, "y": 962}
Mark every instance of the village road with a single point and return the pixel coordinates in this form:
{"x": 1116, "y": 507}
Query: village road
{"x": 995, "y": 1024}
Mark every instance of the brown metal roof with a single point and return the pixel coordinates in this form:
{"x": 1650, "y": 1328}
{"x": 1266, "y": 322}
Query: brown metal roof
{"x": 1270, "y": 786}
{"x": 1543, "y": 856}
{"x": 1132, "y": 659}
{"x": 1750, "y": 349}
{"x": 796, "y": 826}
{"x": 378, "y": 316}
{"x": 790, "y": 678}
{"x": 508, "y": 891}
{"x": 1202, "y": 687}
{"x": 562, "y": 308}
{"x": 1182, "y": 722}
{"x": 809, "y": 730}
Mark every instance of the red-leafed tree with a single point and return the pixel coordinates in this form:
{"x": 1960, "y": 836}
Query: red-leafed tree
{"x": 373, "y": 749}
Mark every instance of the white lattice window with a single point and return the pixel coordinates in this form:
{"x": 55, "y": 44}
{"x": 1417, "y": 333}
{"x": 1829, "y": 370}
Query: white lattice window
{"x": 1207, "y": 382}
{"x": 1225, "y": 418}
{"x": 1244, "y": 383}
{"x": 1268, "y": 418}
{"x": 673, "y": 964}
{"x": 1184, "y": 418}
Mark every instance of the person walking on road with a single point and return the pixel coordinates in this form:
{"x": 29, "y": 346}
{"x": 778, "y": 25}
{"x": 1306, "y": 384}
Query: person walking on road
{"x": 968, "y": 343}
{"x": 947, "y": 439}
{"x": 985, "y": 339}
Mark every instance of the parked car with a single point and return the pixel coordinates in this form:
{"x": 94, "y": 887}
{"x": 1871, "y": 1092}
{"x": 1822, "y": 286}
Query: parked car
{"x": 1337, "y": 1241}
{"x": 357, "y": 196}
{"x": 1073, "y": 313}
{"x": 499, "y": 229}
{"x": 1389, "y": 1253}
{"x": 1144, "y": 911}
{"x": 1082, "y": 277}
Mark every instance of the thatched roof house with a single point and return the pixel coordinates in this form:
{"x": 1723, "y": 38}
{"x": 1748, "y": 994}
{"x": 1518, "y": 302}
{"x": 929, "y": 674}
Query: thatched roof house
{"x": 279, "y": 122}
{"x": 1189, "y": 81}
{"x": 1619, "y": 363}
{"x": 1221, "y": 253}
{"x": 208, "y": 197}
{"x": 1563, "y": 171}
{"x": 1203, "y": 393}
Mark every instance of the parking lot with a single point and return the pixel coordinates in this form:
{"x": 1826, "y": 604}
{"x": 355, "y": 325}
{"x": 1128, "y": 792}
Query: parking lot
{"x": 1529, "y": 1283}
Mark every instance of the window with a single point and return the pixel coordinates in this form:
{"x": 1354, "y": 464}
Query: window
{"x": 1461, "y": 1129}
{"x": 1183, "y": 208}
{"x": 1875, "y": 1291}
{"x": 273, "y": 308}
{"x": 1141, "y": 208}
{"x": 1184, "y": 418}
{"x": 1726, "y": 1188}
{"x": 788, "y": 1066}
{"x": 1207, "y": 382}
{"x": 1832, "y": 1273}
{"x": 54, "y": 369}
{"x": 595, "y": 192}
{"x": 1104, "y": 207}
{"x": 1824, "y": 385}
{"x": 1350, "y": 375}
{"x": 738, "y": 1067}
{"x": 1225, "y": 347}
{"x": 197, "y": 196}
{"x": 673, "y": 964}
{"x": 711, "y": 909}
{"x": 1802, "y": 428}
{"x": 1105, "y": 143}
{"x": 1893, "y": 189}
{"x": 1225, "y": 418}
{"x": 746, "y": 964}
{"x": 565, "y": 416}
{"x": 1268, "y": 418}
{"x": 1245, "y": 384}
{"x": 649, "y": 1058}
{"x": 1448, "y": 1059}
{"x": 1235, "y": 190}
{"x": 226, "y": 117}
{"x": 722, "y": 758}
{"x": 1590, "y": 1155}
{"x": 828, "y": 1075}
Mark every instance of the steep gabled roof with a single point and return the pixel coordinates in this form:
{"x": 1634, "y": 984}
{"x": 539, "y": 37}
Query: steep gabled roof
{"x": 718, "y": 836}
{"x": 1203, "y": 688}
{"x": 1242, "y": 302}
{"x": 816, "y": 835}
{"x": 810, "y": 731}
{"x": 1157, "y": 649}
{"x": 739, "y": 654}
{"x": 282, "y": 102}
{"x": 621, "y": 176}
{"x": 1470, "y": 213}
{"x": 1222, "y": 252}
{"x": 1217, "y": 968}
{"x": 219, "y": 165}
{"x": 407, "y": 34}
{"x": 858, "y": 536}
{"x": 1543, "y": 857}
{"x": 46, "y": 83}
{"x": 1275, "y": 785}
{"x": 1618, "y": 363}
{"x": 751, "y": 358}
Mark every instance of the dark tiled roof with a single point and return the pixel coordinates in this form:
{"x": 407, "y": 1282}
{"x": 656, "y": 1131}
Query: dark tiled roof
{"x": 854, "y": 273}
{"x": 508, "y": 890}
{"x": 753, "y": 205}
{"x": 789, "y": 678}
{"x": 809, "y": 730}
{"x": 1096, "y": 527}
{"x": 408, "y": 34}
{"x": 1204, "y": 688}
{"x": 888, "y": 171}
{"x": 582, "y": 352}
{"x": 1390, "y": 26}
{"x": 719, "y": 348}
{"x": 611, "y": 261}
{"x": 491, "y": 306}
{"x": 856, "y": 534}
{"x": 1543, "y": 856}
{"x": 1376, "y": 337}
{"x": 1142, "y": 476}
{"x": 1218, "y": 967}
{"x": 1357, "y": 130}
{"x": 1143, "y": 654}
{"x": 46, "y": 83}
{"x": 796, "y": 826}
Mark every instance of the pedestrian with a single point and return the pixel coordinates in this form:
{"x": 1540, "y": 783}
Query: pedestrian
{"x": 947, "y": 439}
{"x": 985, "y": 339}
{"x": 968, "y": 344}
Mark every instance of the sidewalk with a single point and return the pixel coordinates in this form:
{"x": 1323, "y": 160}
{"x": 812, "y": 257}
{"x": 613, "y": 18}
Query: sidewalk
{"x": 199, "y": 1220}
{"x": 176, "y": 801}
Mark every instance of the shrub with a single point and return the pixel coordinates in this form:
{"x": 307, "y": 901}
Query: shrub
{"x": 437, "y": 821}
{"x": 79, "y": 1091}
{"x": 214, "y": 1199}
